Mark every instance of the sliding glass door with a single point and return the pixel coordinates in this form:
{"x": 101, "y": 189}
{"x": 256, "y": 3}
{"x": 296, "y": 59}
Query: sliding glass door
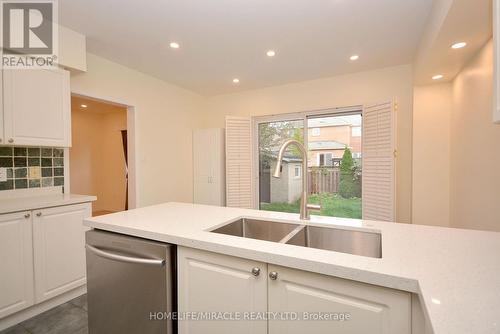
{"x": 333, "y": 142}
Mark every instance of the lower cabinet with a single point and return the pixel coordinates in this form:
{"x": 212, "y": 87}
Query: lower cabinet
{"x": 210, "y": 282}
{"x": 59, "y": 249}
{"x": 16, "y": 258}
{"x": 334, "y": 305}
{"x": 42, "y": 255}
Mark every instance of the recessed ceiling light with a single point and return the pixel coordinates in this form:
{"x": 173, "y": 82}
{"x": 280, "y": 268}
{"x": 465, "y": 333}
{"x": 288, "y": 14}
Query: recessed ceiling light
{"x": 83, "y": 105}
{"x": 437, "y": 77}
{"x": 271, "y": 53}
{"x": 459, "y": 45}
{"x": 174, "y": 45}
{"x": 354, "y": 57}
{"x": 236, "y": 80}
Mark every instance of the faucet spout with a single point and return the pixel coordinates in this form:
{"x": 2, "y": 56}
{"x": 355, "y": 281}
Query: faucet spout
{"x": 304, "y": 207}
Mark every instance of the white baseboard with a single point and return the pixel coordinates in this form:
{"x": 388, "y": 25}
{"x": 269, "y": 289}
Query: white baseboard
{"x": 36, "y": 309}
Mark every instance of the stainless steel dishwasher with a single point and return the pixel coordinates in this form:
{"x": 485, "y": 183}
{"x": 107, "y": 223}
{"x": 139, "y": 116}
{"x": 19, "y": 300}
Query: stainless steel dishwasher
{"x": 130, "y": 284}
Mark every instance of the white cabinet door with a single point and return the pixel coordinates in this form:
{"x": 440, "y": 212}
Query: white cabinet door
{"x": 208, "y": 165}
{"x": 202, "y": 163}
{"x": 59, "y": 248}
{"x": 37, "y": 107}
{"x": 210, "y": 282}
{"x": 372, "y": 309}
{"x": 16, "y": 259}
{"x": 1, "y": 107}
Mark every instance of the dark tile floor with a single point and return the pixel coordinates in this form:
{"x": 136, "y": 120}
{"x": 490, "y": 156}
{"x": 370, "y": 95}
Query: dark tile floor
{"x": 69, "y": 318}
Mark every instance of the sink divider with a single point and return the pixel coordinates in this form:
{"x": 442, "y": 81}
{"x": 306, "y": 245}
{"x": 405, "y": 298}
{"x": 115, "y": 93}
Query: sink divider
{"x": 292, "y": 234}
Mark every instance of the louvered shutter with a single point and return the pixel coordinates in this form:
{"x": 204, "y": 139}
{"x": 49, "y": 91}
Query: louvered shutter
{"x": 378, "y": 161}
{"x": 239, "y": 162}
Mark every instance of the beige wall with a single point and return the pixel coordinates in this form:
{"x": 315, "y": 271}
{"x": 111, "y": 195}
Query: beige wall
{"x": 475, "y": 155}
{"x": 431, "y": 154}
{"x": 165, "y": 116}
{"x": 84, "y": 154}
{"x": 339, "y": 91}
{"x": 97, "y": 162}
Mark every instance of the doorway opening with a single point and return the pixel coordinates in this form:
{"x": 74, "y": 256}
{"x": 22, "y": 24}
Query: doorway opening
{"x": 99, "y": 153}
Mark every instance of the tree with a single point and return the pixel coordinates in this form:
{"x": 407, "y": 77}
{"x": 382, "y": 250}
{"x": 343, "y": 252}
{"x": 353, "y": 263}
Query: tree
{"x": 273, "y": 134}
{"x": 349, "y": 185}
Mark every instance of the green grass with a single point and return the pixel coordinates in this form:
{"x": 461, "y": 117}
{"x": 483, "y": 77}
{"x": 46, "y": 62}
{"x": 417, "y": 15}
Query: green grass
{"x": 332, "y": 205}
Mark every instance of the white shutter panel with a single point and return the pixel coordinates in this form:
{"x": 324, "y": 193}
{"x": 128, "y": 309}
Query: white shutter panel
{"x": 239, "y": 162}
{"x": 378, "y": 162}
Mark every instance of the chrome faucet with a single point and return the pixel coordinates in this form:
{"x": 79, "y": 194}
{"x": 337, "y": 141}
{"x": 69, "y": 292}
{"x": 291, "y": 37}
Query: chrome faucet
{"x": 304, "y": 207}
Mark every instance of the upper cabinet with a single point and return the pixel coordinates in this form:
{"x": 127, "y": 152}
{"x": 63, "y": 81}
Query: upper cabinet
{"x": 36, "y": 108}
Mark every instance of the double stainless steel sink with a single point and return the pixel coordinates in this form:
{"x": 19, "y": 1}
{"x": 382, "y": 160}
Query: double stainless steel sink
{"x": 327, "y": 238}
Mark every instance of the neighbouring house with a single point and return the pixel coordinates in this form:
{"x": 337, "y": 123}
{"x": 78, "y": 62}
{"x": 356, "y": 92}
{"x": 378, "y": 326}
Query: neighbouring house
{"x": 329, "y": 136}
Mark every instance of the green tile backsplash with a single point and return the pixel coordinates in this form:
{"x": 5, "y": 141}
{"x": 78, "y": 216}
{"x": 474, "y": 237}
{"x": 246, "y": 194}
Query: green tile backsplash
{"x": 23, "y": 162}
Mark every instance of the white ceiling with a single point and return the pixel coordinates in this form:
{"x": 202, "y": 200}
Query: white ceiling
{"x": 224, "y": 39}
{"x": 452, "y": 21}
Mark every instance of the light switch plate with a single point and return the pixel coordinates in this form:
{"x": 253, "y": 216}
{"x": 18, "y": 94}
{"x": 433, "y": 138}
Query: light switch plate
{"x": 3, "y": 174}
{"x": 34, "y": 172}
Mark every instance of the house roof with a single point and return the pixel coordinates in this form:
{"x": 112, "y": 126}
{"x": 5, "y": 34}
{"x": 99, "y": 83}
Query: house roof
{"x": 287, "y": 158}
{"x": 326, "y": 145}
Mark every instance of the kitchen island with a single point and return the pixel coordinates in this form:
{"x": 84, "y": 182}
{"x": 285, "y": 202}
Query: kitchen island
{"x": 454, "y": 273}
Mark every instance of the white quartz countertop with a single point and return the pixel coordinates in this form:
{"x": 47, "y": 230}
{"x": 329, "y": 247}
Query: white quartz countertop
{"x": 16, "y": 204}
{"x": 455, "y": 272}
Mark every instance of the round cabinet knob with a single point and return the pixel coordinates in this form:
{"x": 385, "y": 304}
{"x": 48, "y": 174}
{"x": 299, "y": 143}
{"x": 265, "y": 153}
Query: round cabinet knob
{"x": 38, "y": 214}
{"x": 27, "y": 215}
{"x": 11, "y": 140}
{"x": 273, "y": 275}
{"x": 256, "y": 271}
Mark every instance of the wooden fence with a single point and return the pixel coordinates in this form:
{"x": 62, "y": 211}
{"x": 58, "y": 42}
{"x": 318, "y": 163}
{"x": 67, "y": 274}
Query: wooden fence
{"x": 323, "y": 180}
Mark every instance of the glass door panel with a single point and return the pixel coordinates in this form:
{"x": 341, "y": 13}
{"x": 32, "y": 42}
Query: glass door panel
{"x": 280, "y": 194}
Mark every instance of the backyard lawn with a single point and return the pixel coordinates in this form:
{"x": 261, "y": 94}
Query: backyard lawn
{"x": 332, "y": 205}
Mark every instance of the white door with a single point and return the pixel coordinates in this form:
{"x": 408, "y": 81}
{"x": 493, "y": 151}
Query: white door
{"x": 202, "y": 166}
{"x": 16, "y": 259}
{"x": 210, "y": 282}
{"x": 37, "y": 107}
{"x": 59, "y": 248}
{"x": 1, "y": 105}
{"x": 208, "y": 151}
{"x": 372, "y": 309}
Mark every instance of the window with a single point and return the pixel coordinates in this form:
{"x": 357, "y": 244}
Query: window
{"x": 315, "y": 132}
{"x": 356, "y": 131}
{"x": 297, "y": 172}
{"x": 325, "y": 159}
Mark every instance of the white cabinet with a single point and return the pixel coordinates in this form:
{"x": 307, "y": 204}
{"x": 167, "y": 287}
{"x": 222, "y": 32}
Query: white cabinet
{"x": 371, "y": 309}
{"x": 59, "y": 249}
{"x": 42, "y": 255}
{"x": 209, "y": 167}
{"x": 16, "y": 258}
{"x": 210, "y": 282}
{"x": 36, "y": 108}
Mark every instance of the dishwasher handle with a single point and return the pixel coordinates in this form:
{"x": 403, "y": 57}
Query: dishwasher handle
{"x": 123, "y": 258}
